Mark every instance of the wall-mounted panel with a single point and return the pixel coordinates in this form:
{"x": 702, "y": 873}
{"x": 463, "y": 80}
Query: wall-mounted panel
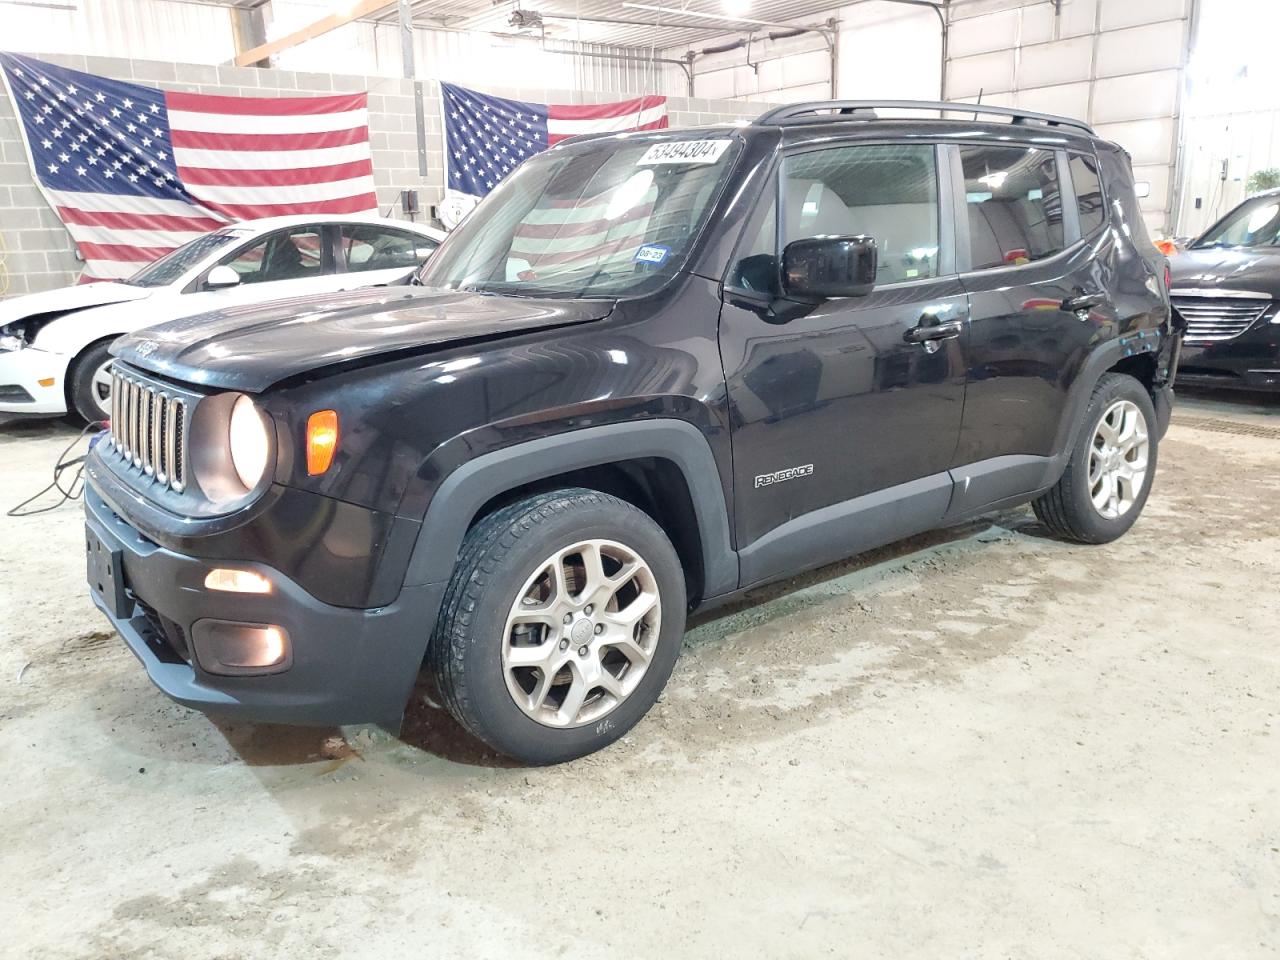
{"x": 1077, "y": 17}
{"x": 1136, "y": 97}
{"x": 1158, "y": 46}
{"x": 1146, "y": 140}
{"x": 1048, "y": 64}
{"x": 985, "y": 72}
{"x": 1118, "y": 14}
{"x": 995, "y": 31}
{"x": 1065, "y": 100}
{"x": 1159, "y": 177}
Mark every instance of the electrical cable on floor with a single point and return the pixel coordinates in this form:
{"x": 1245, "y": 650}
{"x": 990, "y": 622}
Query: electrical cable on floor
{"x": 76, "y": 487}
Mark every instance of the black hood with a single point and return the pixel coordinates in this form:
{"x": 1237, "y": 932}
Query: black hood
{"x": 1228, "y": 268}
{"x": 252, "y": 347}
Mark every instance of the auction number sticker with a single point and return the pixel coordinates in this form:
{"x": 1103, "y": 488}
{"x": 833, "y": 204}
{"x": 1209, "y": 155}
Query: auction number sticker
{"x": 684, "y": 151}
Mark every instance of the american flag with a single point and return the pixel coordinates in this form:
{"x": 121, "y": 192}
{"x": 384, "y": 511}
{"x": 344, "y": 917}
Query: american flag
{"x": 134, "y": 172}
{"x": 487, "y": 137}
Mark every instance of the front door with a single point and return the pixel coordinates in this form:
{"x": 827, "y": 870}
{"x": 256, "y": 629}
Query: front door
{"x": 844, "y": 418}
{"x": 293, "y": 262}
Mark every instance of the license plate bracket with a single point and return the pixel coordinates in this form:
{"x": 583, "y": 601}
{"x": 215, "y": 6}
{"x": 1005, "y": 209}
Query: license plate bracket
{"x": 105, "y": 569}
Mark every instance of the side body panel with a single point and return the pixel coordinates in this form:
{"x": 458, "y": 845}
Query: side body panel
{"x": 838, "y": 396}
{"x": 1033, "y": 362}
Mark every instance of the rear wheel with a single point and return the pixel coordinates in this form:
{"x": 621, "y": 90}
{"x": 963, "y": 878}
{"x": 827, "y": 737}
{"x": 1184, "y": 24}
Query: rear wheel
{"x": 90, "y": 383}
{"x": 1109, "y": 475}
{"x": 560, "y": 626}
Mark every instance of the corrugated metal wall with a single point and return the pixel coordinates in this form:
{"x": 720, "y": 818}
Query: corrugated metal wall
{"x": 1116, "y": 63}
{"x": 886, "y": 50}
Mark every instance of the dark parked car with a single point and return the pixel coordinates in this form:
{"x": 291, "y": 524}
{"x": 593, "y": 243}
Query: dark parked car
{"x": 1226, "y": 288}
{"x": 648, "y": 373}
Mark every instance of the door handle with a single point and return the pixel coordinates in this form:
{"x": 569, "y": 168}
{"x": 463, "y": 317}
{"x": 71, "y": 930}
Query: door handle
{"x": 924, "y": 333}
{"x": 1084, "y": 301}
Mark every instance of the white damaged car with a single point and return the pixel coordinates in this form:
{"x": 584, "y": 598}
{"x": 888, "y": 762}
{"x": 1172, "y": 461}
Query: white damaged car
{"x": 53, "y": 345}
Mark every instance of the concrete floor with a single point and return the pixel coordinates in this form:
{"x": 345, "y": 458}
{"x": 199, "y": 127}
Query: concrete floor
{"x": 982, "y": 743}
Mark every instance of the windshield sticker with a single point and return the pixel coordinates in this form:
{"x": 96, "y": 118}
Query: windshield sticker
{"x": 652, "y": 253}
{"x": 684, "y": 151}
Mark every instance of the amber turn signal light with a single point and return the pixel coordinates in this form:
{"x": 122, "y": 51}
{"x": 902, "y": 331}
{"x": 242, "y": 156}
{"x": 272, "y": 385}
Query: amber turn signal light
{"x": 322, "y": 441}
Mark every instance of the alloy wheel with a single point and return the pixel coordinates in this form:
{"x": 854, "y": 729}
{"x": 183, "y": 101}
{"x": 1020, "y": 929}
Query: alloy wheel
{"x": 581, "y": 633}
{"x": 1118, "y": 459}
{"x": 100, "y": 388}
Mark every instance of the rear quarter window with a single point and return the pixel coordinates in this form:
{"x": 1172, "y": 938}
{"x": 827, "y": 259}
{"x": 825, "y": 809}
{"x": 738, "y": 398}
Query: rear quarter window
{"x": 1089, "y": 198}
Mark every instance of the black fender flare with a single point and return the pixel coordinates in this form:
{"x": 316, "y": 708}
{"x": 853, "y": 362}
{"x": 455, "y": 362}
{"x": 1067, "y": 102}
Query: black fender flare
{"x": 1103, "y": 358}
{"x": 464, "y": 491}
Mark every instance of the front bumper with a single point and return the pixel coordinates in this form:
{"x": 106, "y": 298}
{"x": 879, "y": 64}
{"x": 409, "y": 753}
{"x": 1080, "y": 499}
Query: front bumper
{"x": 1250, "y": 361}
{"x": 20, "y": 389}
{"x": 349, "y": 665}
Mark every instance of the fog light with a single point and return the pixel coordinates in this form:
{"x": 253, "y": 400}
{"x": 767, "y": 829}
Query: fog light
{"x": 236, "y": 581}
{"x": 235, "y": 649}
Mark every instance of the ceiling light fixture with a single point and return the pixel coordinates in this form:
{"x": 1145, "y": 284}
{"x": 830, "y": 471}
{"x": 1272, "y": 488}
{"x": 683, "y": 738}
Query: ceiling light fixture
{"x": 525, "y": 19}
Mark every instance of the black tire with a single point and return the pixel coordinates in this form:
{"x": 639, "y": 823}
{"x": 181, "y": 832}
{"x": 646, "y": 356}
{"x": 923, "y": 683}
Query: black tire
{"x": 498, "y": 556}
{"x": 1067, "y": 509}
{"x": 80, "y": 381}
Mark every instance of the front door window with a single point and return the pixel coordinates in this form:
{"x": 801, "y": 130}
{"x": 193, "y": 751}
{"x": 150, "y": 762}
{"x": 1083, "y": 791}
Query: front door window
{"x": 284, "y": 255}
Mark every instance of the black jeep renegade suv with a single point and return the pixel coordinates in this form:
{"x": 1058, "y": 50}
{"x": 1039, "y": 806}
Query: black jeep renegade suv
{"x": 649, "y": 372}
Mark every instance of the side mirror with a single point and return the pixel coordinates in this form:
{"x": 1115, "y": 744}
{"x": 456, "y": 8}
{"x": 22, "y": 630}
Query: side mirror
{"x": 221, "y": 277}
{"x": 823, "y": 267}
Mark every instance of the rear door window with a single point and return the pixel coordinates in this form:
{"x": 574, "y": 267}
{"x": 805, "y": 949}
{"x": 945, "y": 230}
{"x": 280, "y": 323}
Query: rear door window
{"x": 1014, "y": 205}
{"x": 377, "y": 248}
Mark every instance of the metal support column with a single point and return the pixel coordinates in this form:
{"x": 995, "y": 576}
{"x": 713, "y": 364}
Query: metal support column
{"x": 411, "y": 73}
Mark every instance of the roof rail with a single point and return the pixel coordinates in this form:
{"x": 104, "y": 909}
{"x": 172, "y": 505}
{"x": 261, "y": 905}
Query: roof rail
{"x": 866, "y": 110}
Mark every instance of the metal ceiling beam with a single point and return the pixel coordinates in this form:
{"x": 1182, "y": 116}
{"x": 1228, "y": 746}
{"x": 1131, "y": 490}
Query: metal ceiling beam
{"x": 723, "y": 18}
{"x": 626, "y": 23}
{"x": 320, "y": 27}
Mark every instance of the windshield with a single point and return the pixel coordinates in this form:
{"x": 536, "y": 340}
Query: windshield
{"x": 175, "y": 263}
{"x": 604, "y": 218}
{"x": 1255, "y": 223}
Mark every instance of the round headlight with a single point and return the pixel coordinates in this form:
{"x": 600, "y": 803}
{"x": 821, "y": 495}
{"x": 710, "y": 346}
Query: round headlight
{"x": 249, "y": 442}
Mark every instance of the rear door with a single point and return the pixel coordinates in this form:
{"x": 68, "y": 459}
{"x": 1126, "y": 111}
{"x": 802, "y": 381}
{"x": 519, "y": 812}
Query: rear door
{"x": 843, "y": 425}
{"x": 1038, "y": 300}
{"x": 371, "y": 254}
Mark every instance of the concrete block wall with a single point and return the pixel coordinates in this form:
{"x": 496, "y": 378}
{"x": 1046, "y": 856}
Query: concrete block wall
{"x": 40, "y": 254}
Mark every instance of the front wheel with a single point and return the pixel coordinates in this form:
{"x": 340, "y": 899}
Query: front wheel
{"x": 1109, "y": 475}
{"x": 560, "y": 626}
{"x": 90, "y": 383}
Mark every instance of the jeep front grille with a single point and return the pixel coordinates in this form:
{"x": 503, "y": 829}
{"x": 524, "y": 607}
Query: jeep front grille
{"x": 147, "y": 430}
{"x": 1210, "y": 319}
